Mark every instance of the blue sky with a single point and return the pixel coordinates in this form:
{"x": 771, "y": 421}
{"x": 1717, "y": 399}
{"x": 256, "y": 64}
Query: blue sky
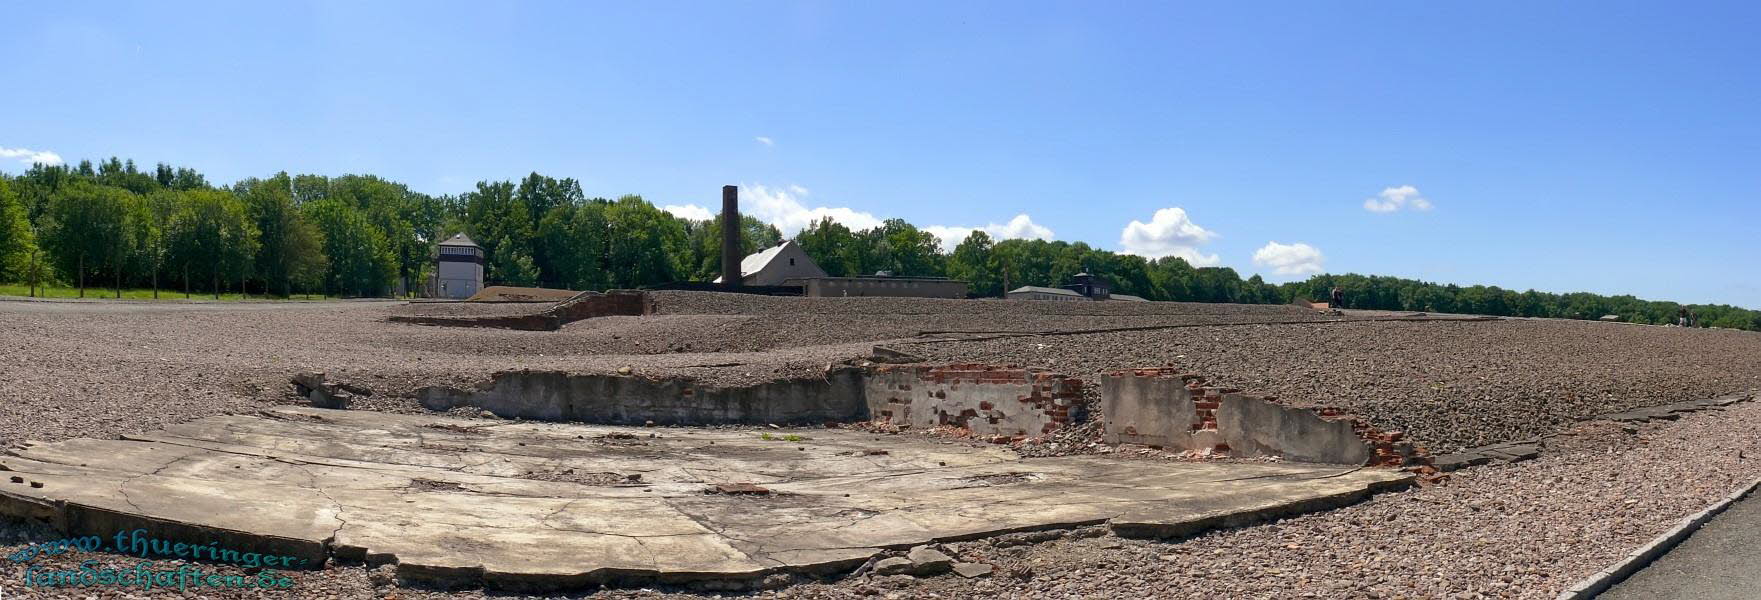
{"x": 1612, "y": 147}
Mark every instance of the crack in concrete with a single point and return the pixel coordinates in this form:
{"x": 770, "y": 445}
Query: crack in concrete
{"x": 122, "y": 486}
{"x": 329, "y": 543}
{"x": 720, "y": 531}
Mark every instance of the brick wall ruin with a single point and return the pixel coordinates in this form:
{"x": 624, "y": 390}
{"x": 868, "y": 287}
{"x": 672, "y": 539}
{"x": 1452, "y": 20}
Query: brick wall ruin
{"x": 987, "y": 400}
{"x": 1162, "y": 407}
{"x": 1157, "y": 406}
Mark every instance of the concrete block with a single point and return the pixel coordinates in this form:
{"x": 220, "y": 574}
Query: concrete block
{"x": 1254, "y": 427}
{"x": 1153, "y": 410}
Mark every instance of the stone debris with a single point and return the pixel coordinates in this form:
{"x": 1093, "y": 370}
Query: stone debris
{"x": 323, "y": 394}
{"x": 973, "y": 570}
{"x": 897, "y": 565}
{"x": 920, "y": 561}
{"x": 927, "y": 561}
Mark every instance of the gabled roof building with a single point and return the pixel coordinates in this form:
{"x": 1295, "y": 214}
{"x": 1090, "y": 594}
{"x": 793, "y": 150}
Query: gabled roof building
{"x": 777, "y": 263}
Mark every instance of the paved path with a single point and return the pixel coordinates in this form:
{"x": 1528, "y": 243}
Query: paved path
{"x": 1720, "y": 561}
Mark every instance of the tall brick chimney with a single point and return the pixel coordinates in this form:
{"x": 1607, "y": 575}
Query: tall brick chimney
{"x": 731, "y": 236}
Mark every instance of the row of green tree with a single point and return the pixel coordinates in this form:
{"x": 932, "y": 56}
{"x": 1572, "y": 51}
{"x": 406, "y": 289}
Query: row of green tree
{"x": 116, "y": 226}
{"x": 113, "y": 225}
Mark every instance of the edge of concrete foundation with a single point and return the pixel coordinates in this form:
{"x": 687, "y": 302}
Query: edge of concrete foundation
{"x": 1638, "y": 559}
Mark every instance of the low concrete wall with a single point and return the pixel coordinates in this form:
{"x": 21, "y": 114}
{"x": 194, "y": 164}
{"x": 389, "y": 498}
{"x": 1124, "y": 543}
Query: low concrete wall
{"x": 630, "y": 400}
{"x": 1162, "y": 407}
{"x": 1253, "y": 426}
{"x": 987, "y": 400}
{"x": 1153, "y": 411}
{"x": 585, "y": 305}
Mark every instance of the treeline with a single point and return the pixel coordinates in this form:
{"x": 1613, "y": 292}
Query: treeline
{"x": 1393, "y": 293}
{"x": 117, "y": 226}
{"x": 113, "y": 225}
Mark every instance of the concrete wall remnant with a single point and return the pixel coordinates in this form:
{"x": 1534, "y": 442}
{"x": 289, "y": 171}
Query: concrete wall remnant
{"x": 635, "y": 400}
{"x": 324, "y": 394}
{"x": 585, "y": 305}
{"x": 987, "y": 400}
{"x": 1162, "y": 407}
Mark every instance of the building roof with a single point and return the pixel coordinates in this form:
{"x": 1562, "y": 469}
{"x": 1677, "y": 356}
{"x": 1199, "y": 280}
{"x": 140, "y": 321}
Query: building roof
{"x": 1044, "y": 290}
{"x": 460, "y": 239}
{"x": 1126, "y": 297}
{"x": 757, "y": 261}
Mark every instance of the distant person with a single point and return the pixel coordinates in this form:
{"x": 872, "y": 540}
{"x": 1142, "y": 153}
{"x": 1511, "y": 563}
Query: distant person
{"x": 1338, "y": 298}
{"x": 1681, "y": 316}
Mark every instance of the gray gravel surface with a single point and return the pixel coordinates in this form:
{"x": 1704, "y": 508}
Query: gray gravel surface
{"x": 1448, "y": 385}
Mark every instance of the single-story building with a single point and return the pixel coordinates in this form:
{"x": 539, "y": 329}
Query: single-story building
{"x": 910, "y": 287}
{"x": 1034, "y": 292}
{"x": 775, "y": 264}
{"x": 1083, "y": 287}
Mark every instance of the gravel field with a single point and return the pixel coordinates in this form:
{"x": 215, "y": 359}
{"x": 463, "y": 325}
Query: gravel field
{"x": 1448, "y": 385}
{"x": 98, "y": 369}
{"x": 137, "y": 366}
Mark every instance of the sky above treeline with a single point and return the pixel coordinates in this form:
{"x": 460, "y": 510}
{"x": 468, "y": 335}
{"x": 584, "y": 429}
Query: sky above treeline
{"x": 1611, "y": 147}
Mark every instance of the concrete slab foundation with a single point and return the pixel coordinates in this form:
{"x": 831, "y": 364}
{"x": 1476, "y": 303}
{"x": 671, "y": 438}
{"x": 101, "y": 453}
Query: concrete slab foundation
{"x": 520, "y": 505}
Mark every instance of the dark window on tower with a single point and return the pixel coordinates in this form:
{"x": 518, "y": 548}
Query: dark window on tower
{"x": 791, "y": 262}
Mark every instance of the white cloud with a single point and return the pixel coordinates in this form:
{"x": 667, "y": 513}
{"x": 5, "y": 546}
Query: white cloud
{"x": 1169, "y": 233}
{"x": 783, "y": 208}
{"x": 766, "y": 141}
{"x": 1290, "y": 259}
{"x": 30, "y": 157}
{"x": 1020, "y": 227}
{"x": 1396, "y": 198}
{"x": 689, "y": 211}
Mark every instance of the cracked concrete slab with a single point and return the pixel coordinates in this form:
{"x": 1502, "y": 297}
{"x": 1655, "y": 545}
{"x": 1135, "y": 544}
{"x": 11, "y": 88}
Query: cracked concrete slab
{"x": 520, "y": 505}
